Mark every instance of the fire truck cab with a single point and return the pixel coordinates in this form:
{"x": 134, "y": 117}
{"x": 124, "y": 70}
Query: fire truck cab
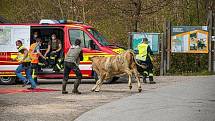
{"x": 93, "y": 44}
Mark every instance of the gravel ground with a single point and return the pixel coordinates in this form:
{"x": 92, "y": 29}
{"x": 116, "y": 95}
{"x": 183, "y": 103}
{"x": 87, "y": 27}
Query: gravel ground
{"x": 53, "y": 106}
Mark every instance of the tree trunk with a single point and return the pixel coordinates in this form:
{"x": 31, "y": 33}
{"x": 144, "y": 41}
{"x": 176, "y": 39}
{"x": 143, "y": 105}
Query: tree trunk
{"x": 137, "y": 9}
{"x": 61, "y": 9}
{"x": 197, "y": 10}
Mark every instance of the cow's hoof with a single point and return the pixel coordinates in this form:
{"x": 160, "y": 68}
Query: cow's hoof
{"x": 130, "y": 87}
{"x": 139, "y": 90}
{"x": 92, "y": 90}
{"x": 97, "y": 90}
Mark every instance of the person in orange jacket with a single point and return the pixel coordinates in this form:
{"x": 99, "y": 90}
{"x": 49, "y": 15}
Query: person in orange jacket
{"x": 35, "y": 53}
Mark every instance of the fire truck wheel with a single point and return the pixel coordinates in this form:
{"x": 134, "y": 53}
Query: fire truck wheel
{"x": 7, "y": 80}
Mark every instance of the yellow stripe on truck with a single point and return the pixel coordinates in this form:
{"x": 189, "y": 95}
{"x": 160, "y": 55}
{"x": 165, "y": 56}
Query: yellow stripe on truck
{"x": 87, "y": 56}
{"x": 75, "y": 75}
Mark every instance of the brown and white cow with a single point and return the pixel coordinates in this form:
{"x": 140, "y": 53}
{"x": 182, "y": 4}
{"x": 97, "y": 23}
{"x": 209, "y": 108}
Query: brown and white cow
{"x": 107, "y": 67}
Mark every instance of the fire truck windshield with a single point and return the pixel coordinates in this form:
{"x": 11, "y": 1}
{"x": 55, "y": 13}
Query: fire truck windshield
{"x": 99, "y": 37}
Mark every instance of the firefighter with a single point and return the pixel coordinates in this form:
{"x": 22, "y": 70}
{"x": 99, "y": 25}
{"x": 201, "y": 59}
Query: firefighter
{"x": 35, "y": 36}
{"x": 24, "y": 64}
{"x": 144, "y": 57}
{"x": 54, "y": 51}
{"x": 59, "y": 64}
{"x": 71, "y": 61}
{"x": 35, "y": 54}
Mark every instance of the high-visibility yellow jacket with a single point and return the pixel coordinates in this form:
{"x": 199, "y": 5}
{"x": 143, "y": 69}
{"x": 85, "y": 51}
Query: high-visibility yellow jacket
{"x": 21, "y": 54}
{"x": 144, "y": 52}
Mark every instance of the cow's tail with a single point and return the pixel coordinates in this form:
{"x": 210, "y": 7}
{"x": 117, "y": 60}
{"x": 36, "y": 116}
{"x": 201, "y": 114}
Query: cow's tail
{"x": 142, "y": 66}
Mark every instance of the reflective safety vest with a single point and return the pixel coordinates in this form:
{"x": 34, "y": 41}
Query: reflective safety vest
{"x": 33, "y": 54}
{"x": 142, "y": 48}
{"x": 59, "y": 64}
{"x": 21, "y": 55}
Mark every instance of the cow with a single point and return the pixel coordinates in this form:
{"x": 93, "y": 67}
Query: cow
{"x": 107, "y": 67}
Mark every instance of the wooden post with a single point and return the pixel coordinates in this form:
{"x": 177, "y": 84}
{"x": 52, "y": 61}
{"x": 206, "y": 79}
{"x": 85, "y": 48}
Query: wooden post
{"x": 168, "y": 43}
{"x": 213, "y": 33}
{"x": 162, "y": 54}
{"x": 130, "y": 40}
{"x": 209, "y": 42}
{"x": 164, "y": 48}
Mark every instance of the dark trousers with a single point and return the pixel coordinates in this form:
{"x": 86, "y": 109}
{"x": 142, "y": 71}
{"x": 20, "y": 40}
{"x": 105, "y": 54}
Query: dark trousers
{"x": 34, "y": 71}
{"x": 68, "y": 66}
{"x": 53, "y": 58}
{"x": 42, "y": 63}
{"x": 148, "y": 70}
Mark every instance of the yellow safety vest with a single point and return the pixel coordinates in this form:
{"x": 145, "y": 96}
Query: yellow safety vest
{"x": 142, "y": 48}
{"x": 21, "y": 55}
{"x": 33, "y": 55}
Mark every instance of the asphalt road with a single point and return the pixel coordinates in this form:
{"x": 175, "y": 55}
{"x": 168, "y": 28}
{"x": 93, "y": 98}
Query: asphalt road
{"x": 192, "y": 100}
{"x": 159, "y": 100}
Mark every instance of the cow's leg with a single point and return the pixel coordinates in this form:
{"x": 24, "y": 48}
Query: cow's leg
{"x": 99, "y": 86}
{"x": 129, "y": 78}
{"x": 99, "y": 82}
{"x": 98, "y": 79}
{"x": 138, "y": 79}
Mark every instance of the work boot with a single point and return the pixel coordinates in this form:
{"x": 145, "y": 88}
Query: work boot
{"x": 30, "y": 88}
{"x": 75, "y": 91}
{"x": 64, "y": 88}
{"x": 144, "y": 78}
{"x": 151, "y": 81}
{"x": 76, "y": 84}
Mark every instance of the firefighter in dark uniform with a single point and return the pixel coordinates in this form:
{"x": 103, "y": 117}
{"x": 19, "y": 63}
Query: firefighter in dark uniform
{"x": 144, "y": 57}
{"x": 71, "y": 62}
{"x": 54, "y": 52}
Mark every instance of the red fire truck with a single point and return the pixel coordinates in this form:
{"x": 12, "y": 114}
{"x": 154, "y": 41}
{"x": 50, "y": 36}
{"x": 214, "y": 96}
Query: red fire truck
{"x": 66, "y": 31}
